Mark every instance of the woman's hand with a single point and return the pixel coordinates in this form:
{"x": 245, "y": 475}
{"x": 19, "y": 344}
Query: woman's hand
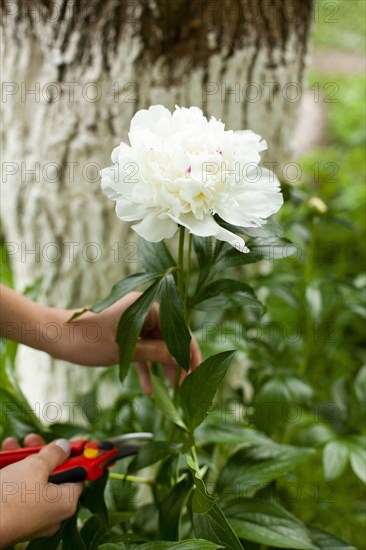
{"x": 31, "y": 506}
{"x": 90, "y": 339}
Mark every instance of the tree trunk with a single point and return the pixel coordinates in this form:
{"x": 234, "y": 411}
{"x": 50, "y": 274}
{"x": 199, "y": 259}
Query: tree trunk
{"x": 74, "y": 73}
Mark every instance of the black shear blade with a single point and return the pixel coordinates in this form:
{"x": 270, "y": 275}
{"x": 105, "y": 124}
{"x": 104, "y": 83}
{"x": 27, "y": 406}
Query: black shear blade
{"x": 124, "y": 448}
{"x": 123, "y": 452}
{"x": 127, "y": 450}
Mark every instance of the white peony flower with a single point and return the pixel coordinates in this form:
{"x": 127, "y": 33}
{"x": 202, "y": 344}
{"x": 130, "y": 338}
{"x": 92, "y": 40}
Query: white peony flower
{"x": 181, "y": 168}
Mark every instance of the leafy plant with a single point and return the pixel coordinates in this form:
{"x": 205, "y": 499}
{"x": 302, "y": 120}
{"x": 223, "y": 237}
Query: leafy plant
{"x": 261, "y": 448}
{"x": 211, "y": 481}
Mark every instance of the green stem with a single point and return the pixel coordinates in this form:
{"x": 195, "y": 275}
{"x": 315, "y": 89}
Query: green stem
{"x": 194, "y": 456}
{"x": 181, "y": 260}
{"x": 132, "y": 479}
{"x": 182, "y": 293}
{"x": 176, "y": 384}
{"x": 188, "y": 272}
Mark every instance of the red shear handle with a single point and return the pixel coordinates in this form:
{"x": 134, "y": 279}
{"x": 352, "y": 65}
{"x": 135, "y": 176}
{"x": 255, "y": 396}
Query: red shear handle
{"x": 10, "y": 457}
{"x": 89, "y": 465}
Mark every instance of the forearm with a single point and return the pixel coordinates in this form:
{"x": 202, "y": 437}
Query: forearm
{"x": 88, "y": 340}
{"x": 30, "y": 323}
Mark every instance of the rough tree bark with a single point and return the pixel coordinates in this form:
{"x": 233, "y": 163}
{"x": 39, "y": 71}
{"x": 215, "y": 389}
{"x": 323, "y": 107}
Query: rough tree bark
{"x": 74, "y": 72}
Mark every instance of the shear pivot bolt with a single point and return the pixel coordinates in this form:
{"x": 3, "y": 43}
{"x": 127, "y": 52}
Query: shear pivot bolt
{"x": 91, "y": 453}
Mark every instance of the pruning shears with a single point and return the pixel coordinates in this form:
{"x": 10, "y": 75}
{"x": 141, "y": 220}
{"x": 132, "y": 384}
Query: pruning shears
{"x": 88, "y": 459}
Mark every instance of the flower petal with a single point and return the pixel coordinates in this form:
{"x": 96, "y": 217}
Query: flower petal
{"x": 130, "y": 211}
{"x": 256, "y": 200}
{"x": 237, "y": 215}
{"x": 109, "y": 182}
{"x": 155, "y": 228}
{"x": 208, "y": 227}
{"x": 147, "y": 118}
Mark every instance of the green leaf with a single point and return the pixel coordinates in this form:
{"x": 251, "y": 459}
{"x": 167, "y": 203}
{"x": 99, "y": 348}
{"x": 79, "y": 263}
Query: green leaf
{"x": 92, "y": 498}
{"x": 78, "y": 314}
{"x": 120, "y": 289}
{"x": 152, "y": 452}
{"x": 203, "y": 249}
{"x": 199, "y": 387}
{"x": 270, "y": 248}
{"x": 314, "y": 300}
{"x": 71, "y": 539}
{"x": 94, "y": 532}
{"x": 357, "y": 450}
{"x": 192, "y": 544}
{"x": 316, "y": 434}
{"x": 214, "y": 526}
{"x": 8, "y": 352}
{"x": 267, "y": 523}
{"x": 172, "y": 323}
{"x": 209, "y": 520}
{"x": 341, "y": 397}
{"x": 252, "y": 468}
{"x": 121, "y": 496}
{"x": 335, "y": 458}
{"x": 16, "y": 415}
{"x": 270, "y": 229}
{"x": 33, "y": 291}
{"x": 201, "y": 501}
{"x": 68, "y": 430}
{"x": 164, "y": 403}
{"x": 46, "y": 543}
{"x": 205, "y": 256}
{"x": 116, "y": 518}
{"x": 360, "y": 386}
{"x": 130, "y": 325}
{"x": 114, "y": 546}
{"x": 171, "y": 508}
{"x": 6, "y": 275}
{"x": 230, "y": 434}
{"x": 226, "y": 293}
{"x": 155, "y": 257}
{"x": 271, "y": 397}
{"x": 167, "y": 472}
{"x": 358, "y": 463}
{"x": 123, "y": 287}
{"x": 327, "y": 541}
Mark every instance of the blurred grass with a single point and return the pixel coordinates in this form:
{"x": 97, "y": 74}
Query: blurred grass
{"x": 342, "y": 162}
{"x": 335, "y": 173}
{"x": 346, "y": 117}
{"x": 6, "y": 276}
{"x": 338, "y": 270}
{"x": 340, "y": 24}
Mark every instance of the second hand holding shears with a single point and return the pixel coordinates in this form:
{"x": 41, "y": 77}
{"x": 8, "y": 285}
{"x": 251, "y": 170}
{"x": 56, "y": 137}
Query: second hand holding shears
{"x": 88, "y": 459}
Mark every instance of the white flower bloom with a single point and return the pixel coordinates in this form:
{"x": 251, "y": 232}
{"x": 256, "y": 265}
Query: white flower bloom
{"x": 181, "y": 168}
